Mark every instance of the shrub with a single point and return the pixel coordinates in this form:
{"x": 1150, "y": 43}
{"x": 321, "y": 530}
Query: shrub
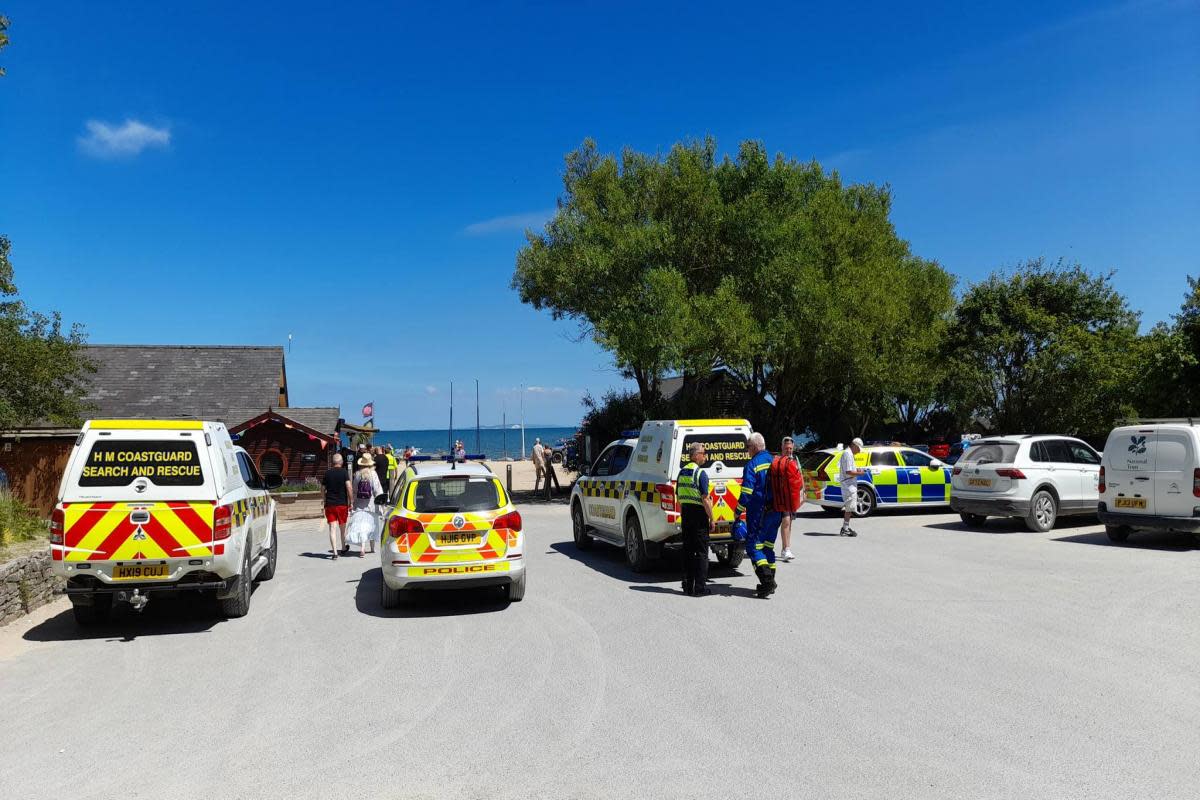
{"x": 17, "y": 522}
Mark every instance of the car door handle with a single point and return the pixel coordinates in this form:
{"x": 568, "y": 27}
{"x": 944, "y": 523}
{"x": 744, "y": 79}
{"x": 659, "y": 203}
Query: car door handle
{"x": 1142, "y": 478}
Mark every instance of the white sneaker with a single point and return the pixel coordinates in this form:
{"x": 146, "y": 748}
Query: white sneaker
{"x": 787, "y": 555}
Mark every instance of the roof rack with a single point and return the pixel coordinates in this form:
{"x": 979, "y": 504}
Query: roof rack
{"x": 1160, "y": 421}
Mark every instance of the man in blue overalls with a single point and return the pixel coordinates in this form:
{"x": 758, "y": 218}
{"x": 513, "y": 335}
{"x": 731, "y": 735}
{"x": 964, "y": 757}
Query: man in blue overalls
{"x": 762, "y": 523}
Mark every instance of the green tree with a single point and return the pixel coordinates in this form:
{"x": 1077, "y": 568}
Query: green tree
{"x": 1047, "y": 348}
{"x": 773, "y": 268}
{"x": 1168, "y": 379}
{"x": 42, "y": 367}
{"x": 3, "y": 37}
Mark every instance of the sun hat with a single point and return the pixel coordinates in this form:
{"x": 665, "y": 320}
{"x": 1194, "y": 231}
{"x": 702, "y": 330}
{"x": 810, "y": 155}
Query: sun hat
{"x": 366, "y": 460}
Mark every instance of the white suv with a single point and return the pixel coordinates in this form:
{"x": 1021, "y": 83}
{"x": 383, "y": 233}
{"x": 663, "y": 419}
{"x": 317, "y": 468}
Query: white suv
{"x": 1150, "y": 479}
{"x": 1037, "y": 477}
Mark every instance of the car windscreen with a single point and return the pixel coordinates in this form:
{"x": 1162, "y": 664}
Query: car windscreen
{"x": 121, "y": 462}
{"x": 728, "y": 448}
{"x": 443, "y": 495}
{"x": 990, "y": 453}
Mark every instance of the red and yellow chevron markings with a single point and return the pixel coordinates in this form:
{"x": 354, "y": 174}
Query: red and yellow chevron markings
{"x": 108, "y": 532}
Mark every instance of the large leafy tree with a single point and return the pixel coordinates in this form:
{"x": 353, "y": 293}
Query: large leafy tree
{"x": 1169, "y": 363}
{"x": 1045, "y": 348}
{"x": 773, "y": 268}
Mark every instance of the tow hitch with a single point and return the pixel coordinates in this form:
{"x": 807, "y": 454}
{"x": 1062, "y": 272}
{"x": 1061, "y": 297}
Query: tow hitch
{"x": 137, "y": 600}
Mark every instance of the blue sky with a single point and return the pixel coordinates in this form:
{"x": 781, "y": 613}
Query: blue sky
{"x": 359, "y": 175}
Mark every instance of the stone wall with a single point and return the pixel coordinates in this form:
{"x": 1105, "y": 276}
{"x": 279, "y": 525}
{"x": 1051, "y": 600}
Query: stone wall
{"x": 26, "y": 583}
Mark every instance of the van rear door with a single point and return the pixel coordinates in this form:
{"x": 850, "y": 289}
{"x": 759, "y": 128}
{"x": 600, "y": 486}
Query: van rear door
{"x": 137, "y": 496}
{"x": 1174, "y": 476}
{"x": 1130, "y": 456}
{"x": 727, "y": 455}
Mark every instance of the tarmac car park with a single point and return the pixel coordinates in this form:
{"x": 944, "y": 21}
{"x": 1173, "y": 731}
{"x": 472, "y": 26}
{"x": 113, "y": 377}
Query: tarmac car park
{"x": 153, "y": 506}
{"x": 453, "y": 526}
{"x": 896, "y": 476}
{"x": 627, "y": 495}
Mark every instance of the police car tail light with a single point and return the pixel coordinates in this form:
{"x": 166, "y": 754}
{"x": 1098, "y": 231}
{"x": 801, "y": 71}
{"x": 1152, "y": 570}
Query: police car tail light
{"x": 1100, "y": 487}
{"x": 510, "y": 521}
{"x": 957, "y": 470}
{"x": 56, "y": 526}
{"x": 667, "y": 492}
{"x": 1011, "y": 472}
{"x": 222, "y": 522}
{"x": 398, "y": 526}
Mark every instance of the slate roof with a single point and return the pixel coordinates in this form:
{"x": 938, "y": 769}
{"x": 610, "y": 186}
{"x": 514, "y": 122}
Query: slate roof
{"x": 225, "y": 384}
{"x": 323, "y": 419}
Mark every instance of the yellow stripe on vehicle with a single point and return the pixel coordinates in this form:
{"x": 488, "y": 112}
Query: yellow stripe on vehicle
{"x": 146, "y": 424}
{"x": 452, "y": 570}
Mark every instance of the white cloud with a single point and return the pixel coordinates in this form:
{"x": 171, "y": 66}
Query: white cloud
{"x": 431, "y": 389}
{"x": 546, "y": 389}
{"x": 121, "y": 141}
{"x": 512, "y": 222}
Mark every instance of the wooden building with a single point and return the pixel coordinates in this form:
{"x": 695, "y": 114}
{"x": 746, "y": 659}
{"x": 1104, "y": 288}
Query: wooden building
{"x": 224, "y": 384}
{"x": 294, "y": 443}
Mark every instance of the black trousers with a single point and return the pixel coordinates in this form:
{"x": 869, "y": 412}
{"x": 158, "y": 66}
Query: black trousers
{"x": 695, "y": 548}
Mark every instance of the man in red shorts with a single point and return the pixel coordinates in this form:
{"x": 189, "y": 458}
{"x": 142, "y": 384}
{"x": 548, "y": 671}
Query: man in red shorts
{"x": 335, "y": 490}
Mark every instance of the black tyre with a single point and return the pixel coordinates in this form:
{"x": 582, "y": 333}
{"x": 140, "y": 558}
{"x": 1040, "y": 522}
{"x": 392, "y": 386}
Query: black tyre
{"x": 1117, "y": 534}
{"x": 388, "y": 597}
{"x": 1043, "y": 512}
{"x": 272, "y": 554}
{"x": 99, "y": 611}
{"x": 635, "y": 546}
{"x": 239, "y": 604}
{"x": 973, "y": 520}
{"x": 516, "y": 589}
{"x": 557, "y": 458}
{"x": 865, "y": 502}
{"x": 731, "y": 555}
{"x": 579, "y": 529}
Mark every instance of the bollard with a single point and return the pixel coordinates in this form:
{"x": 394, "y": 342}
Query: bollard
{"x": 509, "y": 469}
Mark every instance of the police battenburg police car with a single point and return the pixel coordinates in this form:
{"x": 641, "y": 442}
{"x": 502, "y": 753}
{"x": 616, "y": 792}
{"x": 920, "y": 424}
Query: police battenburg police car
{"x": 895, "y": 476}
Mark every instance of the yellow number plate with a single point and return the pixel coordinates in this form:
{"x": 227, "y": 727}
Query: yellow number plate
{"x": 1131, "y": 502}
{"x": 140, "y": 572}
{"x": 471, "y": 537}
{"x": 984, "y": 482}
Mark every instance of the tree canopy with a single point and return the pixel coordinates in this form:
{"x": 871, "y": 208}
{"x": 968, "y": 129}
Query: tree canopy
{"x": 773, "y": 268}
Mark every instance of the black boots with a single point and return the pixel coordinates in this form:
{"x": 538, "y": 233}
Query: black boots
{"x": 766, "y": 581}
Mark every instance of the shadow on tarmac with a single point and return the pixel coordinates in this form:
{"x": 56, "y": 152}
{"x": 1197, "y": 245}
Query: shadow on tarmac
{"x": 609, "y": 560}
{"x": 326, "y": 556}
{"x": 428, "y": 603}
{"x": 1014, "y": 525}
{"x": 1172, "y": 542}
{"x": 164, "y": 615}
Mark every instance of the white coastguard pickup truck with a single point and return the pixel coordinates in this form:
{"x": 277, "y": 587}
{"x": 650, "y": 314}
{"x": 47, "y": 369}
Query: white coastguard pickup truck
{"x": 150, "y": 506}
{"x": 627, "y": 495}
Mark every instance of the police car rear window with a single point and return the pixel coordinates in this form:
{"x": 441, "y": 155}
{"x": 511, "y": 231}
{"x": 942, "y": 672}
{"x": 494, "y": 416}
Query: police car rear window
{"x": 814, "y": 461}
{"x": 163, "y": 463}
{"x": 728, "y": 448}
{"x": 441, "y": 495}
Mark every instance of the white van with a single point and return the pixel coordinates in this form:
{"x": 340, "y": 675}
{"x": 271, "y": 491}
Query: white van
{"x": 627, "y": 495}
{"x": 1150, "y": 478}
{"x": 149, "y": 506}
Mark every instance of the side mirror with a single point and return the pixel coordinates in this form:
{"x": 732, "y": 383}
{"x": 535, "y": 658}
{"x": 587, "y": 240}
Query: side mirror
{"x": 584, "y": 469}
{"x": 936, "y": 464}
{"x": 273, "y": 481}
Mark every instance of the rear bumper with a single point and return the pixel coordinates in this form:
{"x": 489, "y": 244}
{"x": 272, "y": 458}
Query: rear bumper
{"x": 988, "y": 506}
{"x": 480, "y": 573}
{"x": 80, "y": 588}
{"x": 1148, "y": 522}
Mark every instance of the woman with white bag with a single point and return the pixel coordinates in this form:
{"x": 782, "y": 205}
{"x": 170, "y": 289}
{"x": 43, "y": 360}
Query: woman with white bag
{"x": 364, "y": 518}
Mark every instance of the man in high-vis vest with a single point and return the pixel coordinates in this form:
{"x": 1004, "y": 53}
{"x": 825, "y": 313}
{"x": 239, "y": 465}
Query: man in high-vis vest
{"x": 696, "y": 507}
{"x": 762, "y": 521}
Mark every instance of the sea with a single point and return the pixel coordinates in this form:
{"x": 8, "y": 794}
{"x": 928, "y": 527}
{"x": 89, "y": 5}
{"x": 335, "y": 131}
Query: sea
{"x": 494, "y": 443}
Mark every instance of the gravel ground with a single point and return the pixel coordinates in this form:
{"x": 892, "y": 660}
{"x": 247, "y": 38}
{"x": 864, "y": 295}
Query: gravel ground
{"x": 919, "y": 660}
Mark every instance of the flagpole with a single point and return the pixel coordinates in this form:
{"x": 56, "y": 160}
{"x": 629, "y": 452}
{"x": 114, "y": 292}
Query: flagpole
{"x": 478, "y": 448}
{"x": 451, "y": 438}
{"x": 522, "y": 421}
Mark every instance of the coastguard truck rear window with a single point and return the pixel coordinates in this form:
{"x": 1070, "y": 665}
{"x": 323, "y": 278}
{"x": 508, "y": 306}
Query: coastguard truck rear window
{"x": 119, "y": 463}
{"x": 728, "y": 448}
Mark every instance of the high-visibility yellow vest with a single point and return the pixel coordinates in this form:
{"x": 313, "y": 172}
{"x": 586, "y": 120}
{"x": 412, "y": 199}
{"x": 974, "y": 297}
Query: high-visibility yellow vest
{"x": 392, "y": 466}
{"x": 687, "y": 487}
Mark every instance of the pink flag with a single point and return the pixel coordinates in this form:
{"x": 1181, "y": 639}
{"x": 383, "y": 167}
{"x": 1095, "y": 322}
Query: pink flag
{"x": 369, "y": 409}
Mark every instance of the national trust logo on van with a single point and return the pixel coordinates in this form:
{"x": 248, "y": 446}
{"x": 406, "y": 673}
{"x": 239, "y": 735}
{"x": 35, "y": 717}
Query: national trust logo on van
{"x": 1138, "y": 447}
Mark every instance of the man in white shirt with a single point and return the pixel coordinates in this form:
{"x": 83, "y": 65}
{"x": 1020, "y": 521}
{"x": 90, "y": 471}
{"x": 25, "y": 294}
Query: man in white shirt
{"x": 539, "y": 463}
{"x": 848, "y": 474}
